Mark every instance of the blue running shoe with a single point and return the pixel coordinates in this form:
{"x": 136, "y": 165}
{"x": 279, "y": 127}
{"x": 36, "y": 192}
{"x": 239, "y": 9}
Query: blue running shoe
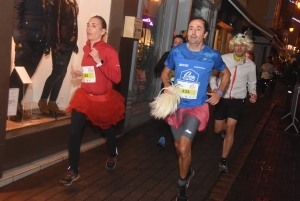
{"x": 161, "y": 141}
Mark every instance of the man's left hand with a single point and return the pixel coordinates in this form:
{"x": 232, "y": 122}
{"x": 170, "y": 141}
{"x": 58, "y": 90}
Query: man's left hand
{"x": 214, "y": 97}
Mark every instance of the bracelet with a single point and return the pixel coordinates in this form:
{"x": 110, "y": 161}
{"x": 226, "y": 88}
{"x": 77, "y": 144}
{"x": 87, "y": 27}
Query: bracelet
{"x": 220, "y": 92}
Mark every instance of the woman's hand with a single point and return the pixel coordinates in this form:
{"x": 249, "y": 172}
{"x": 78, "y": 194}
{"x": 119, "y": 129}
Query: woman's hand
{"x": 95, "y": 55}
{"x": 76, "y": 74}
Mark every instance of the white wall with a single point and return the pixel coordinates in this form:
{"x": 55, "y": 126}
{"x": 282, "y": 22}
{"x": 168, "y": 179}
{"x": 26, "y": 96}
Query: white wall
{"x": 87, "y": 9}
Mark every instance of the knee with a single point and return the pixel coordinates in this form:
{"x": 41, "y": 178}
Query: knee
{"x": 230, "y": 130}
{"x": 184, "y": 151}
{"x": 218, "y": 129}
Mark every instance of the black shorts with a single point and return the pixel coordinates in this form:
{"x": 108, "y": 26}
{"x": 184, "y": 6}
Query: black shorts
{"x": 229, "y": 108}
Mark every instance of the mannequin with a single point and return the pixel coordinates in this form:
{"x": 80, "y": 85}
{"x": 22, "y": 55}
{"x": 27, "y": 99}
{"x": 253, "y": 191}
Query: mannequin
{"x": 32, "y": 39}
{"x": 63, "y": 32}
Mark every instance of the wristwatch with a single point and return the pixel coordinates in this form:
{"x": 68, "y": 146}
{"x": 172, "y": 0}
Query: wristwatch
{"x": 100, "y": 63}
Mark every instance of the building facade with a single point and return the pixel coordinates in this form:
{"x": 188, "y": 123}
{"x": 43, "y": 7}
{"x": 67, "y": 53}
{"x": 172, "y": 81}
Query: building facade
{"x": 139, "y": 86}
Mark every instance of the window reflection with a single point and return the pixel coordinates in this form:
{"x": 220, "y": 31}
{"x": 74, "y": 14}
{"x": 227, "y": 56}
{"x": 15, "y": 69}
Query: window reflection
{"x": 143, "y": 87}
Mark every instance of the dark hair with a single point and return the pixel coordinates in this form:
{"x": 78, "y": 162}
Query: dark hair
{"x": 180, "y": 36}
{"x": 205, "y": 22}
{"x": 102, "y": 21}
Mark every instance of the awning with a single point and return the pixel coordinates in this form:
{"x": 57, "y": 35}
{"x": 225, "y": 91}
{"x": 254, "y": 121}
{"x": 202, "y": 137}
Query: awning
{"x": 277, "y": 43}
{"x": 225, "y": 26}
{"x": 252, "y": 19}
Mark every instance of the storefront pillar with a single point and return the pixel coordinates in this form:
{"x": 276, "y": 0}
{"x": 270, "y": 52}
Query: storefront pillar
{"x": 6, "y": 18}
{"x": 125, "y": 46}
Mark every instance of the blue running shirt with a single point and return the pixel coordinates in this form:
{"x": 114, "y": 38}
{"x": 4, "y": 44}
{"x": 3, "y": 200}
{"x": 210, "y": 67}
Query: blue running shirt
{"x": 192, "y": 71}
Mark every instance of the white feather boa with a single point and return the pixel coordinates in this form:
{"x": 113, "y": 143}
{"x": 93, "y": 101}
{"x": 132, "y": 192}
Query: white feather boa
{"x": 165, "y": 103}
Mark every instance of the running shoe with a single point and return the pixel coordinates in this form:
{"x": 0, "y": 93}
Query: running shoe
{"x": 222, "y": 167}
{"x": 69, "y": 178}
{"x": 182, "y": 194}
{"x": 189, "y": 176}
{"x": 111, "y": 163}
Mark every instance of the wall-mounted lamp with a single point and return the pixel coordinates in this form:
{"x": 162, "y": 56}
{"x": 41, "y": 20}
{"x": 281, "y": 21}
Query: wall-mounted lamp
{"x": 291, "y": 28}
{"x": 298, "y": 4}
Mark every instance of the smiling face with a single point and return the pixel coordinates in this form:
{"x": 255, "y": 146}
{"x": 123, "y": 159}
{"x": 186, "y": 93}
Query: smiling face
{"x": 196, "y": 32}
{"x": 94, "y": 30}
{"x": 240, "y": 49}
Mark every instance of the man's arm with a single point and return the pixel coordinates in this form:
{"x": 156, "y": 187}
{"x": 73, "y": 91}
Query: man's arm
{"x": 213, "y": 79}
{"x": 217, "y": 94}
{"x": 165, "y": 76}
{"x": 252, "y": 86}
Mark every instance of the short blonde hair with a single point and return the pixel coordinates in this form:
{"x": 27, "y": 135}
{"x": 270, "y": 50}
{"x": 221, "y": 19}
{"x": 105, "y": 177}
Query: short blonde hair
{"x": 239, "y": 39}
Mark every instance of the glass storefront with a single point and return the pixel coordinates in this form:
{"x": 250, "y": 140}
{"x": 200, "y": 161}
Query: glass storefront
{"x": 145, "y": 81}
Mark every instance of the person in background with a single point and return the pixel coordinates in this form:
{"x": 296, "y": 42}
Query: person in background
{"x": 95, "y": 100}
{"x": 64, "y": 34}
{"x": 177, "y": 40}
{"x": 31, "y": 31}
{"x": 242, "y": 81}
{"x": 266, "y": 70}
{"x": 277, "y": 70}
{"x": 192, "y": 63}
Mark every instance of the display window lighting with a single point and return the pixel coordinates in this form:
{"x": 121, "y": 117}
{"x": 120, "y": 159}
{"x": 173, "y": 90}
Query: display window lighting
{"x": 296, "y": 2}
{"x": 291, "y": 28}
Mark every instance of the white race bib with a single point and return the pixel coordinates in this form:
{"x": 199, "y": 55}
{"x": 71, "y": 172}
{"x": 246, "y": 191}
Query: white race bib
{"x": 188, "y": 90}
{"x": 88, "y": 74}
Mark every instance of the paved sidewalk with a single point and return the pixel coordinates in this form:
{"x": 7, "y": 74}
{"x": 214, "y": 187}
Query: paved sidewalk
{"x": 270, "y": 171}
{"x": 146, "y": 171}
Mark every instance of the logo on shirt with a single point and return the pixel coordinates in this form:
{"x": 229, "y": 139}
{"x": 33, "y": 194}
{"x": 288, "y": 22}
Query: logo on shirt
{"x": 189, "y": 75}
{"x": 184, "y": 65}
{"x": 188, "y": 131}
{"x": 199, "y": 67}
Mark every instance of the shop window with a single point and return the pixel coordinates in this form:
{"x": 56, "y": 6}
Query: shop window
{"x": 144, "y": 86}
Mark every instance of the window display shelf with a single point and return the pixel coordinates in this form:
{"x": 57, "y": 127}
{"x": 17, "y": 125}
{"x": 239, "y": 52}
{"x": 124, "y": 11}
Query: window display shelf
{"x": 15, "y": 122}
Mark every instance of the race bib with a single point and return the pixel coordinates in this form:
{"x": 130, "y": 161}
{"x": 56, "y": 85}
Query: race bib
{"x": 88, "y": 74}
{"x": 188, "y": 90}
{"x": 265, "y": 75}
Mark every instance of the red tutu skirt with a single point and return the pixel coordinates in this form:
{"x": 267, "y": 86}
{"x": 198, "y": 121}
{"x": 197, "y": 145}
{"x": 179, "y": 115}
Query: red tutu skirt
{"x": 200, "y": 112}
{"x": 102, "y": 110}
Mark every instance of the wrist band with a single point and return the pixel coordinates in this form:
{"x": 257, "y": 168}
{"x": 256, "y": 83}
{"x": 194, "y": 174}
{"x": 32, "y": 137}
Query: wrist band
{"x": 220, "y": 92}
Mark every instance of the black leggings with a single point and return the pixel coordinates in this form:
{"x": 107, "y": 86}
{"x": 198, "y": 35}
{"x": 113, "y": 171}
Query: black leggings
{"x": 264, "y": 84}
{"x": 55, "y": 80}
{"x": 78, "y": 120}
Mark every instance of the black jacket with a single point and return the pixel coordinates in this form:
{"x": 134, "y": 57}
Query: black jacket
{"x": 64, "y": 26}
{"x": 161, "y": 64}
{"x": 31, "y": 20}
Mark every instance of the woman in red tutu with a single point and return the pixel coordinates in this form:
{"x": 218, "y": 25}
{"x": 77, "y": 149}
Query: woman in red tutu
{"x": 95, "y": 100}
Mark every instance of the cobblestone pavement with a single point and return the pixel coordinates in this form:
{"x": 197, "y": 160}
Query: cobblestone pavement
{"x": 263, "y": 164}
